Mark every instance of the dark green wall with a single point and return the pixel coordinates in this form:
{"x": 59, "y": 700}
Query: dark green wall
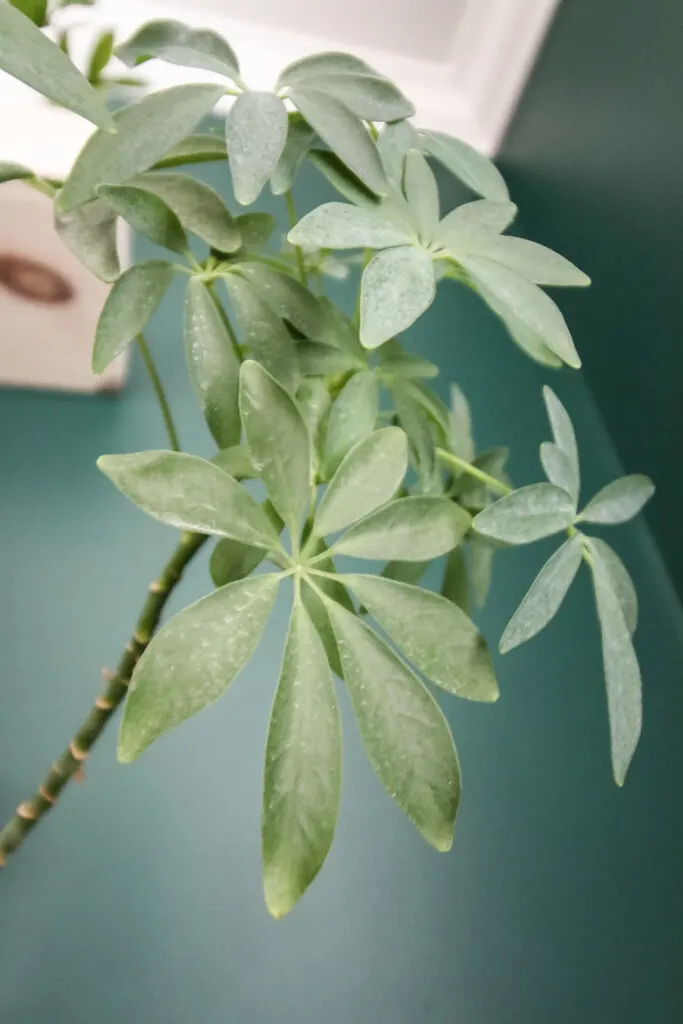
{"x": 139, "y": 899}
{"x": 595, "y": 159}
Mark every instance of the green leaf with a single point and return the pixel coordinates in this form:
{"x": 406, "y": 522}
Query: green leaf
{"x": 340, "y": 226}
{"x": 433, "y": 633}
{"x": 232, "y": 560}
{"x": 422, "y": 194}
{"x": 352, "y": 417}
{"x": 481, "y": 566}
{"x": 432, "y": 405}
{"x": 327, "y": 63}
{"x": 455, "y": 584}
{"x": 197, "y": 206}
{"x": 620, "y": 580}
{"x": 213, "y": 364}
{"x": 368, "y": 96}
{"x": 533, "y": 261}
{"x": 255, "y": 229}
{"x": 278, "y": 440}
{"x": 404, "y": 572}
{"x": 510, "y": 294}
{"x": 369, "y": 476}
{"x": 14, "y": 172}
{"x": 542, "y": 601}
{"x": 286, "y": 297}
{"x": 195, "y": 149}
{"x": 300, "y": 138}
{"x": 471, "y": 227}
{"x": 36, "y": 10}
{"x": 146, "y": 214}
{"x": 100, "y": 57}
{"x": 191, "y": 662}
{"x": 558, "y": 469}
{"x": 146, "y": 131}
{"x": 563, "y": 434}
{"x": 460, "y": 424}
{"x": 393, "y": 144}
{"x": 255, "y": 132}
{"x": 191, "y": 494}
{"x": 398, "y": 285}
{"x": 344, "y": 133}
{"x": 323, "y": 360}
{"x": 344, "y": 180}
{"x": 619, "y": 501}
{"x": 128, "y": 307}
{"x": 27, "y": 54}
{"x": 527, "y": 515}
{"x": 413, "y": 529}
{"x": 314, "y": 402}
{"x": 528, "y": 340}
{"x": 265, "y": 335}
{"x": 90, "y": 233}
{"x": 397, "y": 361}
{"x": 413, "y": 419}
{"x": 339, "y": 331}
{"x": 178, "y": 44}
{"x": 405, "y": 735}
{"x": 622, "y": 673}
{"x": 471, "y": 167}
{"x": 302, "y": 780}
{"x": 236, "y": 461}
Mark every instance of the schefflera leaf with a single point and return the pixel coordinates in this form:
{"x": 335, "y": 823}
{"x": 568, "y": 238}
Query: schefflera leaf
{"x": 343, "y": 132}
{"x": 177, "y": 43}
{"x": 279, "y": 443}
{"x": 433, "y": 633}
{"x": 527, "y": 514}
{"x": 302, "y": 779}
{"x": 414, "y": 529}
{"x": 193, "y": 659}
{"x": 255, "y": 133}
{"x": 28, "y": 55}
{"x": 397, "y": 286}
{"x": 145, "y": 131}
{"x": 619, "y": 501}
{"x": 213, "y": 364}
{"x": 342, "y": 226}
{"x": 90, "y": 234}
{"x": 352, "y": 417}
{"x": 128, "y": 307}
{"x": 513, "y": 297}
{"x": 265, "y": 335}
{"x": 197, "y": 206}
{"x": 622, "y": 672}
{"x": 369, "y": 475}
{"x": 191, "y": 494}
{"x": 545, "y": 596}
{"x": 405, "y": 734}
{"x": 565, "y": 440}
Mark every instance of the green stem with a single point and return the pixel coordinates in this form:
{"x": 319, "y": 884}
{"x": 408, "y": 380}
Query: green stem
{"x": 291, "y": 212}
{"x": 466, "y": 467}
{"x": 160, "y": 393}
{"x": 31, "y": 811}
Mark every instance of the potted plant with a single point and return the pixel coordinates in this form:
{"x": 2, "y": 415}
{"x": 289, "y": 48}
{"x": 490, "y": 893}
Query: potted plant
{"x": 357, "y": 456}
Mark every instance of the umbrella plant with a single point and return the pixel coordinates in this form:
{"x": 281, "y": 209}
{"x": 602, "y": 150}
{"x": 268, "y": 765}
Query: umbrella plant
{"x": 330, "y": 444}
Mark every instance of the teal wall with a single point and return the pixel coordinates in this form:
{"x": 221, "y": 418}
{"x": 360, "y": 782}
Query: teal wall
{"x": 139, "y": 898}
{"x": 595, "y": 158}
